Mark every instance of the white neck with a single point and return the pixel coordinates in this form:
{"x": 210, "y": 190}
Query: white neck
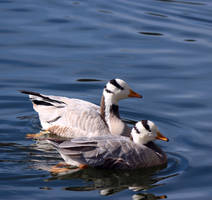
{"x": 108, "y": 101}
{"x": 110, "y": 98}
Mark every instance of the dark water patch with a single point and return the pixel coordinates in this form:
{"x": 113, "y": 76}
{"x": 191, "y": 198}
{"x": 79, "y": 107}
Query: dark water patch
{"x": 190, "y": 40}
{"x": 151, "y": 33}
{"x": 87, "y": 80}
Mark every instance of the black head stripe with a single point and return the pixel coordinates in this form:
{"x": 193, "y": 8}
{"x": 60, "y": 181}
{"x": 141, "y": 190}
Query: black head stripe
{"x": 114, "y": 82}
{"x": 146, "y": 126}
{"x": 42, "y": 103}
{"x": 136, "y": 129}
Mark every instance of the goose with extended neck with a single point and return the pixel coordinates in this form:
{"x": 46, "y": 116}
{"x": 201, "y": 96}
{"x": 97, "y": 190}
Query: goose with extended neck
{"x": 71, "y": 118}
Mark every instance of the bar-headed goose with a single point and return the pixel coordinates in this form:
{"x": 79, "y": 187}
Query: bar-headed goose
{"x": 68, "y": 117}
{"x": 116, "y": 152}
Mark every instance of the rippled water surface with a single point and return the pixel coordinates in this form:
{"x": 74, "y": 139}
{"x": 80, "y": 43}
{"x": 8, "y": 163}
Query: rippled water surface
{"x": 162, "y": 48}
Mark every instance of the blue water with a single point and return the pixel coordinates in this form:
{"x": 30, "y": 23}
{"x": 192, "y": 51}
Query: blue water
{"x": 162, "y": 48}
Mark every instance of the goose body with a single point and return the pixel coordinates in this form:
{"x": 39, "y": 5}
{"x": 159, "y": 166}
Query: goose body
{"x": 71, "y": 118}
{"x": 116, "y": 152}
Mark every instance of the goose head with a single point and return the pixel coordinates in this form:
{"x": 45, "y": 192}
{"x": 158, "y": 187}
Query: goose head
{"x": 117, "y": 89}
{"x": 146, "y": 131}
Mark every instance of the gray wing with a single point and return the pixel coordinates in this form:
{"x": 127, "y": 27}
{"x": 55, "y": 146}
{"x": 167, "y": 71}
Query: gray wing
{"x": 68, "y": 117}
{"x": 108, "y": 152}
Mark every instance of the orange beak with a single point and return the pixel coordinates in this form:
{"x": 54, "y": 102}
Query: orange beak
{"x": 134, "y": 94}
{"x": 161, "y": 137}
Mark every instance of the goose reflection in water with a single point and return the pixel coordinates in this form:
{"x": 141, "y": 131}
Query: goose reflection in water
{"x": 109, "y": 182}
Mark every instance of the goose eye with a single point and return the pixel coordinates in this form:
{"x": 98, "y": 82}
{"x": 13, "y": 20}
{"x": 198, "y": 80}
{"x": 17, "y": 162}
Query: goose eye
{"x": 146, "y": 125}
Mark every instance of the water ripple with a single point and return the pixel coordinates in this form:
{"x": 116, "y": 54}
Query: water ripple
{"x": 151, "y": 33}
{"x": 72, "y": 48}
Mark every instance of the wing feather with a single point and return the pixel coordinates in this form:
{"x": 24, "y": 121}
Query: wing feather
{"x": 68, "y": 117}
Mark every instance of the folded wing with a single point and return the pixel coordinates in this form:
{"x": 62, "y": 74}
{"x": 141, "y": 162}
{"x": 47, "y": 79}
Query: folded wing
{"x": 107, "y": 152}
{"x": 68, "y": 117}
